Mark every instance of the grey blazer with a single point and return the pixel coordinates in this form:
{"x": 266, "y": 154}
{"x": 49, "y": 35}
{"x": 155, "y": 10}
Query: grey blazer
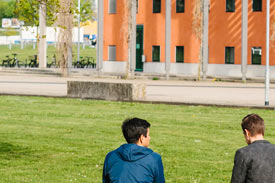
{"x": 255, "y": 163}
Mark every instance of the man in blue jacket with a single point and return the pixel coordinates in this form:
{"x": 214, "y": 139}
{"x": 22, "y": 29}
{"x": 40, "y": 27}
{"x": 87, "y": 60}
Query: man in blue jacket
{"x": 134, "y": 162}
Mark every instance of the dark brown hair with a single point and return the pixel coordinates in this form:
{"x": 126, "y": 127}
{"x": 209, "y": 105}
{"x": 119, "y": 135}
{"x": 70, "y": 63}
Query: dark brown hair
{"x": 254, "y": 124}
{"x": 133, "y": 128}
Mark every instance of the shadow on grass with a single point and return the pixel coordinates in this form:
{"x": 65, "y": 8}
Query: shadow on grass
{"x": 8, "y": 151}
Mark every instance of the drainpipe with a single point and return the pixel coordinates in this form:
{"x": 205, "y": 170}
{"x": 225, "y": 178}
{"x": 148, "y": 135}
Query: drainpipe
{"x": 100, "y": 29}
{"x": 205, "y": 37}
{"x": 244, "y": 38}
{"x": 167, "y": 38}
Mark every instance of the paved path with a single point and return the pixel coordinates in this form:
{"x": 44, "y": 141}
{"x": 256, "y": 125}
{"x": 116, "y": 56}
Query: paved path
{"x": 207, "y": 92}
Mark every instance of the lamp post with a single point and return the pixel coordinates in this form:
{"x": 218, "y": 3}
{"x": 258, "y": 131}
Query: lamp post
{"x": 267, "y": 54}
{"x": 78, "y": 41}
{"x": 167, "y": 38}
{"x": 100, "y": 28}
{"x": 244, "y": 38}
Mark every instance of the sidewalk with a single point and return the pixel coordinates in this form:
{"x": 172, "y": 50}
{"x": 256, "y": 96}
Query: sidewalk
{"x": 160, "y": 91}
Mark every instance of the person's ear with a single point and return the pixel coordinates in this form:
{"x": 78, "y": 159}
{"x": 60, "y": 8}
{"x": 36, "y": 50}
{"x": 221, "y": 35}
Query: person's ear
{"x": 247, "y": 133}
{"x": 141, "y": 138}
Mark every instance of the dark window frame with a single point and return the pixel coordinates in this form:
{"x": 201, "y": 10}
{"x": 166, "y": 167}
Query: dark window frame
{"x": 153, "y": 49}
{"x": 112, "y": 10}
{"x": 257, "y": 7}
{"x": 230, "y": 7}
{"x": 254, "y": 56}
{"x": 228, "y": 51}
{"x": 178, "y": 8}
{"x": 137, "y": 6}
{"x": 111, "y": 57}
{"x": 156, "y": 9}
{"x": 178, "y": 60}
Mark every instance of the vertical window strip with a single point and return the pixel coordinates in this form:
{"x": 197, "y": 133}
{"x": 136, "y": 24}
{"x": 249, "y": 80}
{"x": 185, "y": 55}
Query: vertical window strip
{"x": 112, "y": 53}
{"x": 156, "y": 6}
{"x": 230, "y": 5}
{"x": 257, "y": 5}
{"x": 256, "y": 55}
{"x": 112, "y": 6}
{"x": 180, "y": 54}
{"x": 180, "y": 6}
{"x": 137, "y": 6}
{"x": 156, "y": 53}
{"x": 229, "y": 55}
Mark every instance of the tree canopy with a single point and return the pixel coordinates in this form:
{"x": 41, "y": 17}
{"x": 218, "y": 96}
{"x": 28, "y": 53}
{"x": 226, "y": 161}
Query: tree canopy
{"x": 28, "y": 11}
{"x": 6, "y": 9}
{"x": 86, "y": 12}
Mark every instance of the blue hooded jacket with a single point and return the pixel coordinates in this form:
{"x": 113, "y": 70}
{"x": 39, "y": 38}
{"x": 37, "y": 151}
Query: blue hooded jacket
{"x": 131, "y": 163}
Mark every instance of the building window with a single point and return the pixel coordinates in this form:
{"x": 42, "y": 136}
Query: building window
{"x": 156, "y": 6}
{"x": 230, "y": 5}
{"x": 257, "y": 5}
{"x": 156, "y": 53}
{"x": 180, "y": 6}
{"x": 112, "y": 6}
{"x": 137, "y": 6}
{"x": 112, "y": 53}
{"x": 180, "y": 54}
{"x": 256, "y": 57}
{"x": 229, "y": 55}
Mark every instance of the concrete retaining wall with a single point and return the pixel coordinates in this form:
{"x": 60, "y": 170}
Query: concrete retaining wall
{"x": 106, "y": 91}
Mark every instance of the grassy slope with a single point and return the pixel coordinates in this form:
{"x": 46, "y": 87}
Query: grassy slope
{"x": 66, "y": 140}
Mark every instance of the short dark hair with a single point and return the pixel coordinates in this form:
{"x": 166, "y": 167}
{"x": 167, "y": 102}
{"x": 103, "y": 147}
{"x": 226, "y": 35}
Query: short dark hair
{"x": 254, "y": 124}
{"x": 133, "y": 128}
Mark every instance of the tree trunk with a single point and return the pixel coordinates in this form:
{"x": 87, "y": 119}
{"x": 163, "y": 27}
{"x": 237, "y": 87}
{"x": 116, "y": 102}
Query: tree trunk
{"x": 133, "y": 37}
{"x": 65, "y": 22}
{"x": 129, "y": 37}
{"x": 198, "y": 29}
{"x": 42, "y": 56}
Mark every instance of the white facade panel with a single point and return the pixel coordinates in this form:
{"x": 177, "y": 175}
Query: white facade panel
{"x": 224, "y": 70}
{"x": 114, "y": 67}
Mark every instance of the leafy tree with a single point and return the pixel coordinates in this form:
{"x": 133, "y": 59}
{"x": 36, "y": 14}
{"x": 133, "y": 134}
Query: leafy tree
{"x": 6, "y": 10}
{"x": 65, "y": 22}
{"x": 28, "y": 11}
{"x": 86, "y": 12}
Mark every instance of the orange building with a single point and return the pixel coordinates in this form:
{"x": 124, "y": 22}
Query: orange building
{"x": 224, "y": 37}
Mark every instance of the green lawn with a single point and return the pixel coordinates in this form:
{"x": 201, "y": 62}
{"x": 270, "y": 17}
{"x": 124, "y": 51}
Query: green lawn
{"x": 11, "y": 33}
{"x": 29, "y": 51}
{"x": 56, "y": 140}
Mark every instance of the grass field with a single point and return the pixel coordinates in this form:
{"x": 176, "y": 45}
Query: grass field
{"x": 11, "y": 33}
{"x": 29, "y": 51}
{"x": 65, "y": 140}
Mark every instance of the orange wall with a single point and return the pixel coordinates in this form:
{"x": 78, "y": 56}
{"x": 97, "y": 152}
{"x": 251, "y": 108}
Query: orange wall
{"x": 154, "y": 28}
{"x": 115, "y": 31}
{"x": 224, "y": 30}
{"x": 182, "y": 33}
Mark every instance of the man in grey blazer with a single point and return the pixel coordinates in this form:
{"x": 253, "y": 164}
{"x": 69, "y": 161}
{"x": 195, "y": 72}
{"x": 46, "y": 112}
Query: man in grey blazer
{"x": 254, "y": 163}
